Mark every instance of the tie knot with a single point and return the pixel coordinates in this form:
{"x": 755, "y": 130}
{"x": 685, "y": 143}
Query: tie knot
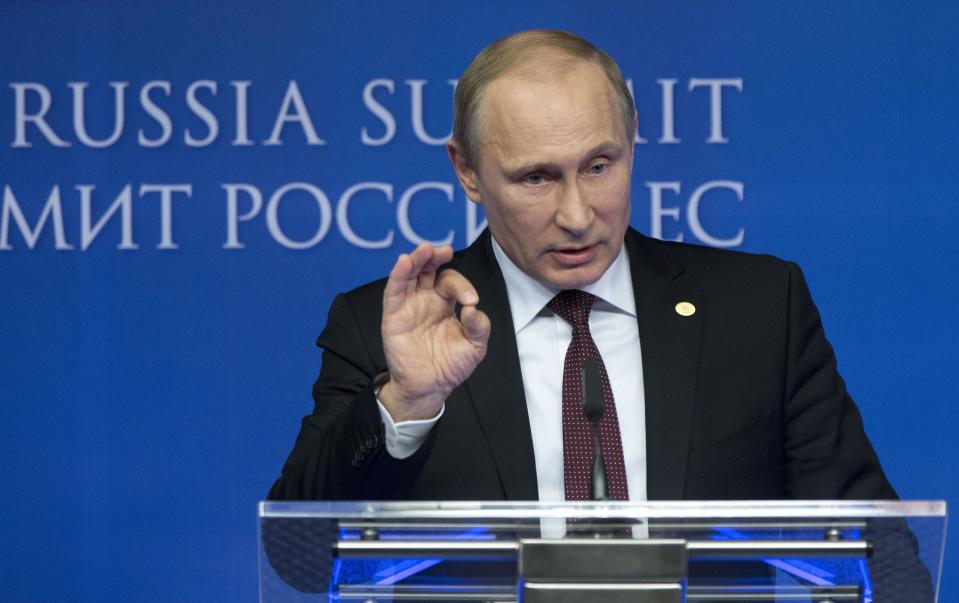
{"x": 573, "y": 306}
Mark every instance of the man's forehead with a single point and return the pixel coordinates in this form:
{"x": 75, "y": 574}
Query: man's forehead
{"x": 550, "y": 106}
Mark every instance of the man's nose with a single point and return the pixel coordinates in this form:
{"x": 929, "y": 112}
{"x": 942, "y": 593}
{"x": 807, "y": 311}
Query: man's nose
{"x": 573, "y": 212}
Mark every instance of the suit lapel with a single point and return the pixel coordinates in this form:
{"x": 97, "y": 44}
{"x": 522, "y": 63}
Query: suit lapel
{"x": 496, "y": 386}
{"x": 670, "y": 346}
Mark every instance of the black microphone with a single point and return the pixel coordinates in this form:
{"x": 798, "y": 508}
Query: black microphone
{"x": 593, "y": 409}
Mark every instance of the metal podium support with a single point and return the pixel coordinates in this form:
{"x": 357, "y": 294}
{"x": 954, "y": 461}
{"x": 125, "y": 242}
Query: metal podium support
{"x": 606, "y": 570}
{"x": 602, "y": 570}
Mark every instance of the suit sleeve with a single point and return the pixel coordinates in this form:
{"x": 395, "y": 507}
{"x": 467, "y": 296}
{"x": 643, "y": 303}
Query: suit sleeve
{"x": 340, "y": 451}
{"x": 828, "y": 455}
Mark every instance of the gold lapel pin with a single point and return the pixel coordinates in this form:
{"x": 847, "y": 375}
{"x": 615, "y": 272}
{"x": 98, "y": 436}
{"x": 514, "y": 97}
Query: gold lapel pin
{"x": 685, "y": 308}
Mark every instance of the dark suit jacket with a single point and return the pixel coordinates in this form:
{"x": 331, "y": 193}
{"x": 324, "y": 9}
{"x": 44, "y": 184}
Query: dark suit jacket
{"x": 743, "y": 400}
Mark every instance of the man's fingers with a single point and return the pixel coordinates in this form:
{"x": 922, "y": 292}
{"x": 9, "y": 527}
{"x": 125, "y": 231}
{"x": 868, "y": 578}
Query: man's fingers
{"x": 441, "y": 255}
{"x": 421, "y": 257}
{"x": 412, "y": 270}
{"x": 397, "y": 283}
{"x": 405, "y": 274}
{"x": 452, "y": 285}
{"x": 427, "y": 275}
{"x": 476, "y": 324}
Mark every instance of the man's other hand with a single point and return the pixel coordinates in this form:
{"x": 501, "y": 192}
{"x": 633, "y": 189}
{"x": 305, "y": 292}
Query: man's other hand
{"x": 428, "y": 350}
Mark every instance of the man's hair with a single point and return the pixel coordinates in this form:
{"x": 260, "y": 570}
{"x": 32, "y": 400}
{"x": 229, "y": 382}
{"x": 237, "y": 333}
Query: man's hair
{"x": 553, "y": 53}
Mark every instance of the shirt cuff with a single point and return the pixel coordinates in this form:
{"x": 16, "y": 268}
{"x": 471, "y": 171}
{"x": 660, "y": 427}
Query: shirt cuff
{"x": 406, "y": 437}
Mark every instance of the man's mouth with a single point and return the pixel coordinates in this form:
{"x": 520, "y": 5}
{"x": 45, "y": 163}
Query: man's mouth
{"x": 574, "y": 256}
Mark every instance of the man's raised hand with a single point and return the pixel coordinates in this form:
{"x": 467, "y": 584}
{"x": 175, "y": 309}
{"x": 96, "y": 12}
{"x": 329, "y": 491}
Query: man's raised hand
{"x": 428, "y": 350}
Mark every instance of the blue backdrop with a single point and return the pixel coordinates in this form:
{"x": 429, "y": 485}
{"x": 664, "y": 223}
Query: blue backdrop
{"x": 186, "y": 186}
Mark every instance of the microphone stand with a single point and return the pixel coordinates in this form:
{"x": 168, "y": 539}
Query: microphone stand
{"x": 592, "y": 391}
{"x": 593, "y": 409}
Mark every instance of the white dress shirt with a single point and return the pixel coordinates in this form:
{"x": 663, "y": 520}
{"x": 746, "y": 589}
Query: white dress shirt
{"x": 541, "y": 340}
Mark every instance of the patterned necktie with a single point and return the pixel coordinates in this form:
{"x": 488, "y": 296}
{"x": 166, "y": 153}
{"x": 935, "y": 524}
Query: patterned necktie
{"x": 574, "y": 306}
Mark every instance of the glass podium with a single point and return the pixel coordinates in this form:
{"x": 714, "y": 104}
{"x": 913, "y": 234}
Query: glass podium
{"x": 662, "y": 552}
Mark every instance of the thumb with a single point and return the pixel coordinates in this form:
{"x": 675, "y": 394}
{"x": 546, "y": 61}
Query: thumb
{"x": 476, "y": 324}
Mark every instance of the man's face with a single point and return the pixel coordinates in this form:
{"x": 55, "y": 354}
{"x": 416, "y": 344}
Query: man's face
{"x": 553, "y": 174}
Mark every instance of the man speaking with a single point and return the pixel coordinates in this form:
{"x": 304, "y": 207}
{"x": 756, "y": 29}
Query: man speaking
{"x": 461, "y": 375}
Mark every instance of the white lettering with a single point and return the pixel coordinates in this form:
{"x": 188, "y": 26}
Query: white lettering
{"x": 273, "y": 223}
{"x": 301, "y": 116}
{"x": 79, "y": 115}
{"x": 123, "y": 202}
{"x": 158, "y": 114}
{"x": 342, "y": 215}
{"x": 669, "y": 135}
{"x": 692, "y": 210}
{"x": 52, "y": 210}
{"x": 21, "y": 117}
{"x": 389, "y": 122}
{"x": 416, "y": 113}
{"x": 242, "y": 139}
{"x": 166, "y": 208}
{"x": 403, "y": 212}
{"x": 201, "y": 111}
{"x": 657, "y": 211}
{"x": 716, "y": 104}
{"x": 233, "y": 216}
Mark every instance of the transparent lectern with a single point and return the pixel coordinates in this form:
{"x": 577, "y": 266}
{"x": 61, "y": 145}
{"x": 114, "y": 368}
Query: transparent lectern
{"x": 668, "y": 552}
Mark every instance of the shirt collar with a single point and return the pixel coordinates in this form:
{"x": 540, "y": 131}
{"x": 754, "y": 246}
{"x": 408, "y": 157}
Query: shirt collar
{"x": 528, "y": 297}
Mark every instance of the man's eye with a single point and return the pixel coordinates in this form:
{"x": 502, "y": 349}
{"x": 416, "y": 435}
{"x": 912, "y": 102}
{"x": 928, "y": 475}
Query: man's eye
{"x": 534, "y": 179}
{"x": 598, "y": 168}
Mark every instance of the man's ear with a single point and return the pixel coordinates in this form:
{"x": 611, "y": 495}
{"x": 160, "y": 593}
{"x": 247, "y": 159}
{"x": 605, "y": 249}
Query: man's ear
{"x": 465, "y": 172}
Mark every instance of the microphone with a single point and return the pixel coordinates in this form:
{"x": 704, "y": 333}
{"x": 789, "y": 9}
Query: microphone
{"x": 593, "y": 409}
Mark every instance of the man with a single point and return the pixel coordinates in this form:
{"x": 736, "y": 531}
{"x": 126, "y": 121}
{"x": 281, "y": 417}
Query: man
{"x": 458, "y": 377}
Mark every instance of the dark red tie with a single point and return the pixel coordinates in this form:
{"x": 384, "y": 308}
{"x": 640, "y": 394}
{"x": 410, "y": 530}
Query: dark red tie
{"x": 574, "y": 306}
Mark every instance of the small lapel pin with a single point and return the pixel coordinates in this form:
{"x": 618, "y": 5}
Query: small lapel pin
{"x": 685, "y": 309}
